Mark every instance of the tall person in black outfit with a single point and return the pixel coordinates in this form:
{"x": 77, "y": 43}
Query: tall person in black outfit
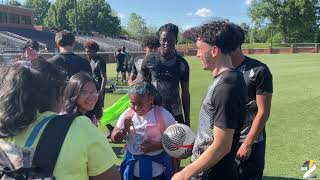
{"x": 251, "y": 154}
{"x": 169, "y": 72}
{"x": 99, "y": 73}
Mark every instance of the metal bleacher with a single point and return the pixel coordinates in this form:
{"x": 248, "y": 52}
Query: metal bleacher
{"x": 45, "y": 37}
{"x": 111, "y": 44}
{"x": 11, "y": 42}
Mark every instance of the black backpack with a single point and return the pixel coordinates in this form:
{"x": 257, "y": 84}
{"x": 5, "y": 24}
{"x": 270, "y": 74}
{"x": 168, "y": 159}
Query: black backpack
{"x": 43, "y": 158}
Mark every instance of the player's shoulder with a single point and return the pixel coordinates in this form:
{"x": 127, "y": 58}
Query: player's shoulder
{"x": 254, "y": 63}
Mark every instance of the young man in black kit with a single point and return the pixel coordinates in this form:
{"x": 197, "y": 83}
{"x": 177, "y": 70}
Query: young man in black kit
{"x": 168, "y": 71}
{"x": 251, "y": 154}
{"x": 66, "y": 60}
{"x": 223, "y": 108}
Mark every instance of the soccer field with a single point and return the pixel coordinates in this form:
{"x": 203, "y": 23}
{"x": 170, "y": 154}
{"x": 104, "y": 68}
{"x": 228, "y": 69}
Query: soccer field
{"x": 293, "y": 134}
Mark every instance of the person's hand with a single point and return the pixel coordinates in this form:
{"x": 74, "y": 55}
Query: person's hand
{"x": 127, "y": 123}
{"x": 244, "y": 152}
{"x": 150, "y": 146}
{"x": 179, "y": 176}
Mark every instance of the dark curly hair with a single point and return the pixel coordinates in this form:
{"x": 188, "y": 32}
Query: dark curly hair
{"x": 91, "y": 45}
{"x": 24, "y": 91}
{"x": 64, "y": 38}
{"x": 220, "y": 33}
{"x": 171, "y": 28}
{"x": 151, "y": 42}
{"x": 240, "y": 34}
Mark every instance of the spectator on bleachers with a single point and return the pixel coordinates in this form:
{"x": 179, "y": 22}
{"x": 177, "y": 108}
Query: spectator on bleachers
{"x": 66, "y": 60}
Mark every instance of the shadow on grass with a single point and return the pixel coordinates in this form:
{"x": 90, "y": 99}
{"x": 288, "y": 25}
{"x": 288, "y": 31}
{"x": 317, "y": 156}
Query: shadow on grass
{"x": 278, "y": 178}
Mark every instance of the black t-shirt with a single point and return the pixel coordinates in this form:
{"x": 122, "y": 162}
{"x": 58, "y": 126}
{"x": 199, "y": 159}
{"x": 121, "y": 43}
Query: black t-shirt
{"x": 120, "y": 57}
{"x": 98, "y": 66}
{"x": 223, "y": 106}
{"x": 71, "y": 63}
{"x": 166, "y": 75}
{"x": 136, "y": 67}
{"x": 258, "y": 79}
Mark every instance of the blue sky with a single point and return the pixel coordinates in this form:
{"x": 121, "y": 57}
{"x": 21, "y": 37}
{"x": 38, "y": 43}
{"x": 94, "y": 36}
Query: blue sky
{"x": 185, "y": 13}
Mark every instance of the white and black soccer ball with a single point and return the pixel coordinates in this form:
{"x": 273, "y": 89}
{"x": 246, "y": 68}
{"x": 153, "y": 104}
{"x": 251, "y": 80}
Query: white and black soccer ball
{"x": 177, "y": 141}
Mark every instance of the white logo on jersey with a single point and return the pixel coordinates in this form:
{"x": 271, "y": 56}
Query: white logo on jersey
{"x": 251, "y": 74}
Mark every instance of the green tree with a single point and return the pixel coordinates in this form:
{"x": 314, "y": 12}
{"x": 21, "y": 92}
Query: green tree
{"x": 246, "y": 28}
{"x": 97, "y": 15}
{"x": 57, "y": 17}
{"x": 296, "y": 20}
{"x": 136, "y": 27}
{"x": 152, "y": 29}
{"x": 40, "y": 9}
{"x": 93, "y": 15}
{"x": 14, "y": 3}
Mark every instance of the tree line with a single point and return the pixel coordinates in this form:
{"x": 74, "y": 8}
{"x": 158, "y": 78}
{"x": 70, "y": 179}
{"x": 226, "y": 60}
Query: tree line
{"x": 277, "y": 21}
{"x": 92, "y": 16}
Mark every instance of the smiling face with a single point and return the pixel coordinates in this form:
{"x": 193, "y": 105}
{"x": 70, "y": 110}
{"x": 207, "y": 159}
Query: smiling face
{"x": 141, "y": 104}
{"x": 88, "y": 98}
{"x": 167, "y": 44}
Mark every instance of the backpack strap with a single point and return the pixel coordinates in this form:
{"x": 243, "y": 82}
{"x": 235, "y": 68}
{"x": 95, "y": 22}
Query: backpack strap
{"x": 50, "y": 143}
{"x": 159, "y": 118}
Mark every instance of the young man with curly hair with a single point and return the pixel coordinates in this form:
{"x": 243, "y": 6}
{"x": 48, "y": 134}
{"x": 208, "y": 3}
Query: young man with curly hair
{"x": 222, "y": 110}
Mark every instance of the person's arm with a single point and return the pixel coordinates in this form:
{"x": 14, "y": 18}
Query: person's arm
{"x": 264, "y": 106}
{"x": 132, "y": 78}
{"x": 122, "y": 128}
{"x": 145, "y": 73}
{"x": 103, "y": 73}
{"x": 133, "y": 75}
{"x": 185, "y": 97}
{"x": 118, "y": 135}
{"x": 264, "y": 89}
{"x": 150, "y": 146}
{"x": 111, "y": 173}
{"x": 220, "y": 147}
{"x": 185, "y": 94}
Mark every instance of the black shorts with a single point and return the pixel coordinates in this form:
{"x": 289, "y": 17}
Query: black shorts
{"x": 254, "y": 166}
{"x": 128, "y": 69}
{"x": 120, "y": 69}
{"x": 228, "y": 172}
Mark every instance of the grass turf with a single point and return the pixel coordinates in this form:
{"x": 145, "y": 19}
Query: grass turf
{"x": 292, "y": 129}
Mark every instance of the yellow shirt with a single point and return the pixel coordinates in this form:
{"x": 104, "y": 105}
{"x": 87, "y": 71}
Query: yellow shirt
{"x": 85, "y": 151}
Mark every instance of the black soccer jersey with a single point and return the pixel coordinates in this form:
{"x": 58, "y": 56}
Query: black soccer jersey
{"x": 223, "y": 106}
{"x": 71, "y": 63}
{"x": 98, "y": 66}
{"x": 258, "y": 79}
{"x": 166, "y": 75}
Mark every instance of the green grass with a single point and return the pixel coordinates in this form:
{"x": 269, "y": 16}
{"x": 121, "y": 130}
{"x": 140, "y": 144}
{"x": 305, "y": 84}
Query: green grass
{"x": 293, "y": 127}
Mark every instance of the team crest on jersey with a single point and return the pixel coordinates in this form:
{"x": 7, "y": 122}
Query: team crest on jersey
{"x": 251, "y": 74}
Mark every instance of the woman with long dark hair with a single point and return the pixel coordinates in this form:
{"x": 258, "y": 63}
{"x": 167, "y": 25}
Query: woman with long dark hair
{"x": 81, "y": 96}
{"x": 30, "y": 99}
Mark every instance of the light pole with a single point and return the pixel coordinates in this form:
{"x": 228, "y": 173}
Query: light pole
{"x": 76, "y": 16}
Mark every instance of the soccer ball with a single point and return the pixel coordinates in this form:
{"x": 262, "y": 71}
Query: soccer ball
{"x": 177, "y": 141}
